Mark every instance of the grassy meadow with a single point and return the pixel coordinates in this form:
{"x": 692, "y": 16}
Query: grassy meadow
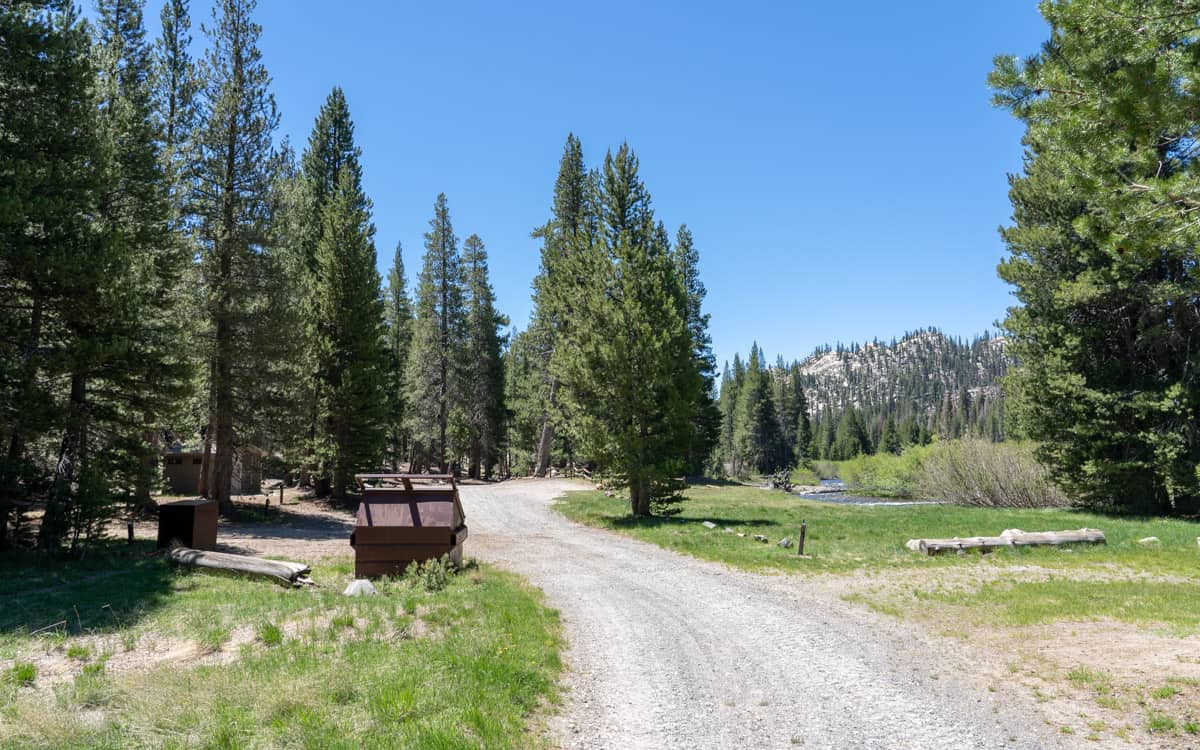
{"x": 846, "y": 539}
{"x": 139, "y": 654}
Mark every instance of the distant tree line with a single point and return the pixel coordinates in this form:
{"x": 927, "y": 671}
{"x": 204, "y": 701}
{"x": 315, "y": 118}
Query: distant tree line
{"x": 172, "y": 274}
{"x": 846, "y": 401}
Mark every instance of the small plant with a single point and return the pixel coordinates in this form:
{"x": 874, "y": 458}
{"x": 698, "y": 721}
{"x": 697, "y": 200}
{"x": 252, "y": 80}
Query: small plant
{"x": 23, "y": 673}
{"x": 213, "y": 638}
{"x": 1191, "y": 726}
{"x": 1160, "y": 723}
{"x": 79, "y": 652}
{"x": 93, "y": 669}
{"x": 431, "y": 575}
{"x": 1167, "y": 691}
{"x": 343, "y": 620}
{"x": 270, "y": 634}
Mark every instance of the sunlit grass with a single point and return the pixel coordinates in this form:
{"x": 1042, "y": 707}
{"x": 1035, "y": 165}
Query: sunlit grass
{"x": 466, "y": 667}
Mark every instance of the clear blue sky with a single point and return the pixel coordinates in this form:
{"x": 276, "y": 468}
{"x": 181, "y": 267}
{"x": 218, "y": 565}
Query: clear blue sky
{"x": 840, "y": 164}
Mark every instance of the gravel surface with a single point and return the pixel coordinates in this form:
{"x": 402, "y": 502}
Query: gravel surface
{"x": 667, "y": 651}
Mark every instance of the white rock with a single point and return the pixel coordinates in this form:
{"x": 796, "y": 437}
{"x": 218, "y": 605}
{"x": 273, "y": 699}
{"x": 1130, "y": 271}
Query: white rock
{"x": 1148, "y": 540}
{"x": 785, "y": 543}
{"x": 709, "y": 525}
{"x": 760, "y": 538}
{"x": 913, "y": 544}
{"x": 359, "y": 587}
{"x": 728, "y": 530}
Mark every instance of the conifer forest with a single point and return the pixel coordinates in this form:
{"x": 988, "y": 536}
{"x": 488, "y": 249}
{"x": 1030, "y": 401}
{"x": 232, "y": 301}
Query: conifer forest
{"x": 176, "y": 274}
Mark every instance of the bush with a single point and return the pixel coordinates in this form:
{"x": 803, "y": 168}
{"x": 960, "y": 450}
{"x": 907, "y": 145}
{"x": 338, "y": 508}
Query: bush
{"x": 431, "y": 575}
{"x": 977, "y": 472}
{"x": 885, "y": 474}
{"x": 964, "y": 472}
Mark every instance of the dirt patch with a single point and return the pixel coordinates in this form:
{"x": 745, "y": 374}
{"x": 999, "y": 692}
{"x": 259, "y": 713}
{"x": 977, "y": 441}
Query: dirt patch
{"x": 1109, "y": 683}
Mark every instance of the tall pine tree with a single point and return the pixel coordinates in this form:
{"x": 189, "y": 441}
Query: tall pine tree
{"x": 398, "y": 316}
{"x": 433, "y": 375}
{"x": 233, "y": 201}
{"x": 484, "y": 372}
{"x": 1103, "y": 252}
{"x": 628, "y": 362}
{"x": 554, "y": 287}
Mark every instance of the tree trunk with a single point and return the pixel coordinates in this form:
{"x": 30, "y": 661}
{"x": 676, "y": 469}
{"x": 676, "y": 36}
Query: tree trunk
{"x": 288, "y": 572}
{"x": 223, "y": 416}
{"x": 55, "y": 522}
{"x": 639, "y": 499}
{"x": 475, "y": 459}
{"x": 16, "y": 443}
{"x": 1010, "y": 538}
{"x": 547, "y": 440}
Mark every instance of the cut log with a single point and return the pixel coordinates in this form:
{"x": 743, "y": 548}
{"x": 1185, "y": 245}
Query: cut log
{"x": 1010, "y": 538}
{"x": 288, "y": 572}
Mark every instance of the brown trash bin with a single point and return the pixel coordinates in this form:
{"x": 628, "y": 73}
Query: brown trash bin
{"x": 406, "y": 518}
{"x": 192, "y": 522}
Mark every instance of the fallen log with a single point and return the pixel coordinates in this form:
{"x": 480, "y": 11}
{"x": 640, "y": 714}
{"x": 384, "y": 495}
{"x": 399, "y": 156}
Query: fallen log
{"x": 293, "y": 573}
{"x": 1009, "y": 538}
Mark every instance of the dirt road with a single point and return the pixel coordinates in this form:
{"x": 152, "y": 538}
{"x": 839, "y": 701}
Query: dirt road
{"x": 667, "y": 651}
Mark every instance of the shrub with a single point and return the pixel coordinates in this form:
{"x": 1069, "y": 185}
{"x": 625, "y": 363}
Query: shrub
{"x": 885, "y": 474}
{"x": 978, "y": 472}
{"x": 431, "y": 575}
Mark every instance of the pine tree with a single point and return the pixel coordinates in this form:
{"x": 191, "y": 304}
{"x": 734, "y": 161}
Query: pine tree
{"x": 349, "y": 313}
{"x": 553, "y": 288}
{"x": 757, "y": 441}
{"x": 147, "y": 375}
{"x": 345, "y": 307}
{"x": 484, "y": 370}
{"x": 850, "y": 439}
{"x": 233, "y": 200}
{"x": 1103, "y": 252}
{"x": 889, "y": 442}
{"x": 399, "y": 319}
{"x": 175, "y": 91}
{"x": 706, "y": 426}
{"x": 628, "y": 361}
{"x": 433, "y": 375}
{"x": 51, "y": 252}
{"x": 802, "y": 450}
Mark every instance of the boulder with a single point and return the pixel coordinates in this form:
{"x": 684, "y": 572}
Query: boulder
{"x": 709, "y": 525}
{"x": 761, "y": 538}
{"x": 1149, "y": 541}
{"x": 785, "y": 543}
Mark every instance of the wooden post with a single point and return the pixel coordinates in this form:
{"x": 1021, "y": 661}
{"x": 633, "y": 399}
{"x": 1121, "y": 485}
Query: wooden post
{"x": 803, "y": 532}
{"x": 267, "y": 505}
{"x": 281, "y": 494}
{"x": 129, "y": 529}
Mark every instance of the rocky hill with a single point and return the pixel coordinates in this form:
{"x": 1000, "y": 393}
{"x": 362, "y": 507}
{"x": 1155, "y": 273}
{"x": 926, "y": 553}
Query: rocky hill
{"x": 944, "y": 384}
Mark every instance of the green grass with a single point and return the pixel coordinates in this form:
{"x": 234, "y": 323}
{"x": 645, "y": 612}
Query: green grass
{"x": 1036, "y": 602}
{"x": 463, "y": 667}
{"x": 843, "y": 538}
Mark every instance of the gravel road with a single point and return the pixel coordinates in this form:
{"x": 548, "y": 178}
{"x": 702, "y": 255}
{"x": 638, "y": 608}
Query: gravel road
{"x": 666, "y": 651}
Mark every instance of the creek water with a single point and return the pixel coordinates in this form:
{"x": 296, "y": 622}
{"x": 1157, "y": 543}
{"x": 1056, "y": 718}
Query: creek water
{"x": 837, "y": 496}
